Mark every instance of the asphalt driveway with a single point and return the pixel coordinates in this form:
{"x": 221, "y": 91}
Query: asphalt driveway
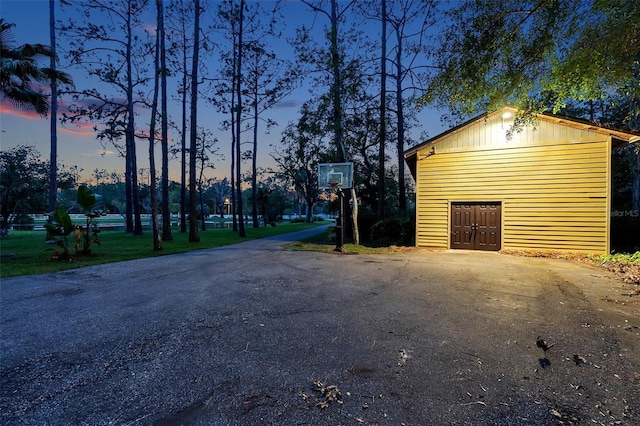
{"x": 252, "y": 334}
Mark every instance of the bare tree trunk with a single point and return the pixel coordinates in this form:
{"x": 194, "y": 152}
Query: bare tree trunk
{"x": 254, "y": 162}
{"x": 354, "y": 216}
{"x": 200, "y": 179}
{"x": 241, "y": 231}
{"x": 128, "y": 207}
{"x": 157, "y": 241}
{"x": 183, "y": 169}
{"x": 53, "y": 157}
{"x": 166, "y": 212}
{"x": 402, "y": 188}
{"x": 234, "y": 141}
{"x": 337, "y": 84}
{"x": 194, "y": 236}
{"x": 130, "y": 137}
{"x": 383, "y": 113}
{"x": 203, "y": 223}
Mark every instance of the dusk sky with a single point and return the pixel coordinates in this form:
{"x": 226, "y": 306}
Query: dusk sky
{"x": 77, "y": 144}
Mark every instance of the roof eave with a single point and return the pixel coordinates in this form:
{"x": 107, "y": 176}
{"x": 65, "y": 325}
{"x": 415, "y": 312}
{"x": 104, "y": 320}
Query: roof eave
{"x": 624, "y": 136}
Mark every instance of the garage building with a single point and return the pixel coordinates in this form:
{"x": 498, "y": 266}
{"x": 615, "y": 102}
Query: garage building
{"x": 546, "y": 188}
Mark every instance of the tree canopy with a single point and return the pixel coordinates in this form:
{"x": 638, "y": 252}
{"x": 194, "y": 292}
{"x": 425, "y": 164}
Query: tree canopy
{"x": 24, "y": 180}
{"x": 20, "y": 71}
{"x": 538, "y": 54}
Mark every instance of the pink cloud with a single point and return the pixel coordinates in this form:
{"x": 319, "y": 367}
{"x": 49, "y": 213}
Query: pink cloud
{"x": 81, "y": 128}
{"x": 87, "y": 131}
{"x": 6, "y": 108}
{"x": 150, "y": 29}
{"x": 100, "y": 153}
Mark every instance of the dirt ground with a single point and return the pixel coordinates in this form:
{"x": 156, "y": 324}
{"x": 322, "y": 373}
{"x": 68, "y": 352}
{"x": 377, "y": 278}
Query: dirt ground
{"x": 253, "y": 334}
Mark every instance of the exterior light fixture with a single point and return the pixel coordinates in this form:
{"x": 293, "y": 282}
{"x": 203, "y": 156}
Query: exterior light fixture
{"x": 506, "y": 116}
{"x": 431, "y": 152}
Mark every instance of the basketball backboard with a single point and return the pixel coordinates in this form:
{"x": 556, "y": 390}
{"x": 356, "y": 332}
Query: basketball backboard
{"x": 331, "y": 175}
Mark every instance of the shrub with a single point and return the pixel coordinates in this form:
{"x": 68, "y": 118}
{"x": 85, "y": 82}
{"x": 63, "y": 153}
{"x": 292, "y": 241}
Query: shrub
{"x": 302, "y": 219}
{"x": 23, "y": 222}
{"x": 394, "y": 231}
{"x": 366, "y": 221}
{"x": 624, "y": 232}
{"x": 59, "y": 226}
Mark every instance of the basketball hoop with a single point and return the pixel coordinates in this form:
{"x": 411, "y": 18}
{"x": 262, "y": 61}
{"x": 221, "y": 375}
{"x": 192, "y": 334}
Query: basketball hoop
{"x": 335, "y": 175}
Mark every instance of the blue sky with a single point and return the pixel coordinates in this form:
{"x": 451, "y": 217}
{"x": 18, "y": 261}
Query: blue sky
{"x": 77, "y": 145}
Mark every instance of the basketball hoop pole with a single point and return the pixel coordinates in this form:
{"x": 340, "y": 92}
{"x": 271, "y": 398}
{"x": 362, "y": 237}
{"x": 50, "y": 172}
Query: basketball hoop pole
{"x": 335, "y": 175}
{"x": 340, "y": 223}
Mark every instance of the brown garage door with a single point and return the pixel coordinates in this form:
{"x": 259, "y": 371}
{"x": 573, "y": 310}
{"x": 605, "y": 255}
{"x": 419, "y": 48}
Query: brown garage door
{"x": 475, "y": 226}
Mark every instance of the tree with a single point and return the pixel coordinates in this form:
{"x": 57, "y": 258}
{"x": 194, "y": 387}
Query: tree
{"x": 383, "y": 111}
{"x": 53, "y": 154}
{"x": 194, "y": 236}
{"x": 238, "y": 117}
{"x": 272, "y": 200}
{"x": 24, "y": 184}
{"x": 164, "y": 113}
{"x": 206, "y": 147}
{"x": 303, "y": 146}
{"x": 180, "y": 13}
{"x": 20, "y": 72}
{"x": 335, "y": 65}
{"x": 115, "y": 55}
{"x": 226, "y": 22}
{"x": 410, "y": 21}
{"x": 220, "y": 193}
{"x": 265, "y": 78}
{"x": 157, "y": 240}
{"x": 268, "y": 80}
{"x": 536, "y": 55}
{"x": 130, "y": 157}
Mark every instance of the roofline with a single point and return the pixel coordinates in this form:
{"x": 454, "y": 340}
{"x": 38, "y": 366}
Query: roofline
{"x": 626, "y": 136}
{"x": 412, "y": 151}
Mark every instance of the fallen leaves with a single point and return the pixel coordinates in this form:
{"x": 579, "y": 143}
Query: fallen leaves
{"x": 403, "y": 356}
{"x": 628, "y": 271}
{"x": 328, "y": 394}
{"x": 563, "y": 418}
{"x": 578, "y": 359}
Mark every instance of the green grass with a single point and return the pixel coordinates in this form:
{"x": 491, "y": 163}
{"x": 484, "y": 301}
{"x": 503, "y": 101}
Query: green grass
{"x": 624, "y": 258}
{"x": 26, "y": 253}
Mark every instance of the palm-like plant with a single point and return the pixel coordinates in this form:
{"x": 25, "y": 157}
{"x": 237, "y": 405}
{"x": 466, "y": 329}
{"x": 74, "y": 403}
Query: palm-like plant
{"x": 19, "y": 72}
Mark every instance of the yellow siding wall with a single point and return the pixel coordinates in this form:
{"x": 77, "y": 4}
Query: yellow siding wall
{"x": 555, "y": 196}
{"x": 490, "y": 133}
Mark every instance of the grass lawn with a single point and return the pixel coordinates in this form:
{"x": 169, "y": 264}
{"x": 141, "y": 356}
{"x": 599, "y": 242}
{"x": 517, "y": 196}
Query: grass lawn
{"x": 26, "y": 253}
{"x": 325, "y": 243}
